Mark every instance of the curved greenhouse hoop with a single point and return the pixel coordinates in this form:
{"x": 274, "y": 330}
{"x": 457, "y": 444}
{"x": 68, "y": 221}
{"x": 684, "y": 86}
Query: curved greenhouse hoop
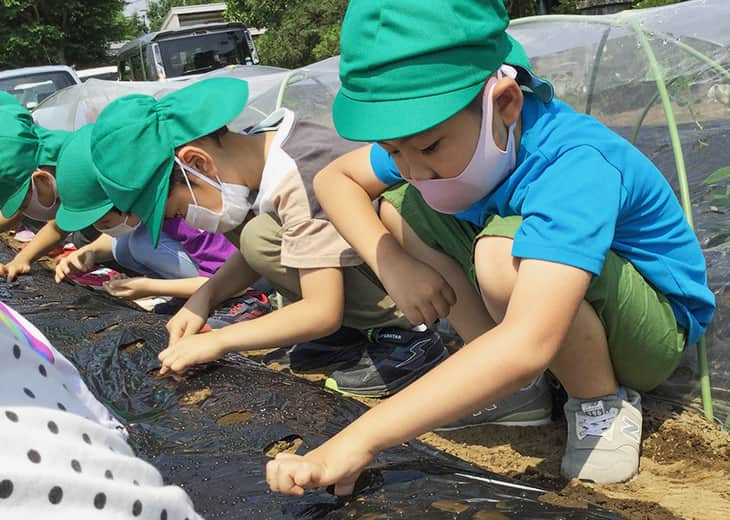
{"x": 624, "y": 21}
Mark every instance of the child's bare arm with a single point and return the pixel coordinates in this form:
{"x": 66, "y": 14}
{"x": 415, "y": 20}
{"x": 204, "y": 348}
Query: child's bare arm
{"x": 47, "y": 237}
{"x": 83, "y": 260}
{"x": 345, "y": 189}
{"x": 139, "y": 287}
{"x": 317, "y": 314}
{"x": 9, "y": 223}
{"x": 544, "y": 302}
{"x": 233, "y": 276}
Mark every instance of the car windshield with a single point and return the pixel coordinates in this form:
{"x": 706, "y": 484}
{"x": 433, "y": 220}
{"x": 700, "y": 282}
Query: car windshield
{"x": 199, "y": 53}
{"x": 31, "y": 89}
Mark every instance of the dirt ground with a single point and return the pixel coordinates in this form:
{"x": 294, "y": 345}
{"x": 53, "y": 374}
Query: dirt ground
{"x": 684, "y": 467}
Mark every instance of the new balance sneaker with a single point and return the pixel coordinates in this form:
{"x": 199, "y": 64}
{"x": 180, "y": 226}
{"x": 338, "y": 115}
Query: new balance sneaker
{"x": 530, "y": 406}
{"x": 392, "y": 359}
{"x": 604, "y": 437}
{"x": 324, "y": 355}
{"x": 250, "y": 305}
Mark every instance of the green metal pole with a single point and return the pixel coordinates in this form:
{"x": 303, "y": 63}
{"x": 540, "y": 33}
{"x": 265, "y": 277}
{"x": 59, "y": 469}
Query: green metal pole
{"x": 705, "y": 388}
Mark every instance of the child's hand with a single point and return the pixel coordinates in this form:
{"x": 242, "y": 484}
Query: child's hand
{"x": 189, "y": 351}
{"x": 338, "y": 461}
{"x": 130, "y": 288}
{"x": 14, "y": 268}
{"x": 81, "y": 261}
{"x": 188, "y": 320}
{"x": 418, "y": 290}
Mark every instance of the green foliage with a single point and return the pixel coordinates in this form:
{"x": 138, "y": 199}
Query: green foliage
{"x": 720, "y": 194}
{"x": 298, "y": 32}
{"x": 522, "y": 8}
{"x": 158, "y": 9}
{"x": 43, "y": 32}
{"x": 720, "y": 175}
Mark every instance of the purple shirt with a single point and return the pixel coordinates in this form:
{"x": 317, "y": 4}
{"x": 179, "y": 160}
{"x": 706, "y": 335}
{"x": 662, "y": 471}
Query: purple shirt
{"x": 208, "y": 250}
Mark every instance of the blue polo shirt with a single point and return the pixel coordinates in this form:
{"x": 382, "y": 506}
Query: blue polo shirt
{"x": 581, "y": 190}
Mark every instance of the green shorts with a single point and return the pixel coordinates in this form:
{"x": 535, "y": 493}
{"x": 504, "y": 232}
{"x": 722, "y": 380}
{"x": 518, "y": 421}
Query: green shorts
{"x": 644, "y": 339}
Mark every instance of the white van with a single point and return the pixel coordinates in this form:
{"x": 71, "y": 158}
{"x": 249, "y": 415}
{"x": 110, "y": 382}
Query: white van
{"x": 31, "y": 85}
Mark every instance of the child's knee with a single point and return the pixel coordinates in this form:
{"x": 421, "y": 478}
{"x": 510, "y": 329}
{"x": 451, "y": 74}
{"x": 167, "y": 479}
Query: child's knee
{"x": 496, "y": 271}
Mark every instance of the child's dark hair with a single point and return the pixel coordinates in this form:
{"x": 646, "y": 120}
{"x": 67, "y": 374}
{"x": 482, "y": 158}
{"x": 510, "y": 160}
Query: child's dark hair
{"x": 176, "y": 177}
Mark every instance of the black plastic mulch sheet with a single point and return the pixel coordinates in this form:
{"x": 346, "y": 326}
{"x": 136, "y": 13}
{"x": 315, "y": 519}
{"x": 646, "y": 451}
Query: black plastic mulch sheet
{"x": 210, "y": 432}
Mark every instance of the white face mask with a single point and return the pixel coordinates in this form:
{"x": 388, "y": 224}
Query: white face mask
{"x": 235, "y": 204}
{"x": 35, "y": 209}
{"x": 120, "y": 229}
{"x": 488, "y": 167}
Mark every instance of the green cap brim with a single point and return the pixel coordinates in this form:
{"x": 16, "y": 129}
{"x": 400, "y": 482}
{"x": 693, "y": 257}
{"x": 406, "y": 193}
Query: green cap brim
{"x": 12, "y": 205}
{"x": 70, "y": 220}
{"x": 382, "y": 120}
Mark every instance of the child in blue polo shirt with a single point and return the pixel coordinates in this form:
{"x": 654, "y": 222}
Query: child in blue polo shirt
{"x": 546, "y": 239}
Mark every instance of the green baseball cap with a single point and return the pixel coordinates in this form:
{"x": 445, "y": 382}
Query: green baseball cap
{"x": 134, "y": 140}
{"x": 83, "y": 202}
{"x": 408, "y": 65}
{"x": 24, "y": 146}
{"x": 6, "y": 98}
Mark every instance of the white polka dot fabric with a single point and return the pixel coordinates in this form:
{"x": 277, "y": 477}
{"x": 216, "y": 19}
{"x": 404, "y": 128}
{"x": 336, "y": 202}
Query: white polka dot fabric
{"x": 62, "y": 454}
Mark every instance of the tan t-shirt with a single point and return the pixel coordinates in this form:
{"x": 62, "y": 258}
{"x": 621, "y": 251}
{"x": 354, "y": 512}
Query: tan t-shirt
{"x": 298, "y": 151}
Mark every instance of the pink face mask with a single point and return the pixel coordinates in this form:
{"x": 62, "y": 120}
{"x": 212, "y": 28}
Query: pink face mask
{"x": 488, "y": 166}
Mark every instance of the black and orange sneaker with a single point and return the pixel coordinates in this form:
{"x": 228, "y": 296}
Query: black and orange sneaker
{"x": 248, "y": 306}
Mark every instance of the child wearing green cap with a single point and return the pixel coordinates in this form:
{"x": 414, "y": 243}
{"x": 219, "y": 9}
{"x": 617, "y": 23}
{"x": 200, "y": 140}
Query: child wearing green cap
{"x": 28, "y": 155}
{"x": 182, "y": 261}
{"x": 545, "y": 238}
{"x": 256, "y": 188}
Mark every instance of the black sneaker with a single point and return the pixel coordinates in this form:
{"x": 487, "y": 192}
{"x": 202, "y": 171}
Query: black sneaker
{"x": 342, "y": 348}
{"x": 250, "y": 305}
{"x": 393, "y": 359}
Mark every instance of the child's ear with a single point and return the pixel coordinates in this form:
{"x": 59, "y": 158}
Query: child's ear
{"x": 198, "y": 158}
{"x": 508, "y": 100}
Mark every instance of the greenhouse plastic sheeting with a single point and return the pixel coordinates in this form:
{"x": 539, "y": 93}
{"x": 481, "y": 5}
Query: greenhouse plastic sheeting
{"x": 611, "y": 67}
{"x": 78, "y": 105}
{"x": 210, "y": 432}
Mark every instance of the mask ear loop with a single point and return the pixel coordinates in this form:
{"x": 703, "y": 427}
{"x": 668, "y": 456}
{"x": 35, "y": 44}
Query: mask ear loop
{"x": 510, "y": 72}
{"x": 199, "y": 175}
{"x": 187, "y": 181}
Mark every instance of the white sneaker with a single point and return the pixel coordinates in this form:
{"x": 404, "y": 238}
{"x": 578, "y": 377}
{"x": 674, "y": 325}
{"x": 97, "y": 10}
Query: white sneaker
{"x": 604, "y": 438}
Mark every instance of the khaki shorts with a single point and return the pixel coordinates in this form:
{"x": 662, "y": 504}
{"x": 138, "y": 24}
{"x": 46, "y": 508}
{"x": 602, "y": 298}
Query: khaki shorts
{"x": 644, "y": 339}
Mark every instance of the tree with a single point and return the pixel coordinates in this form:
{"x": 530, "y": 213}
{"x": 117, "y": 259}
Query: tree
{"x": 43, "y": 32}
{"x": 158, "y": 10}
{"x": 298, "y": 32}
